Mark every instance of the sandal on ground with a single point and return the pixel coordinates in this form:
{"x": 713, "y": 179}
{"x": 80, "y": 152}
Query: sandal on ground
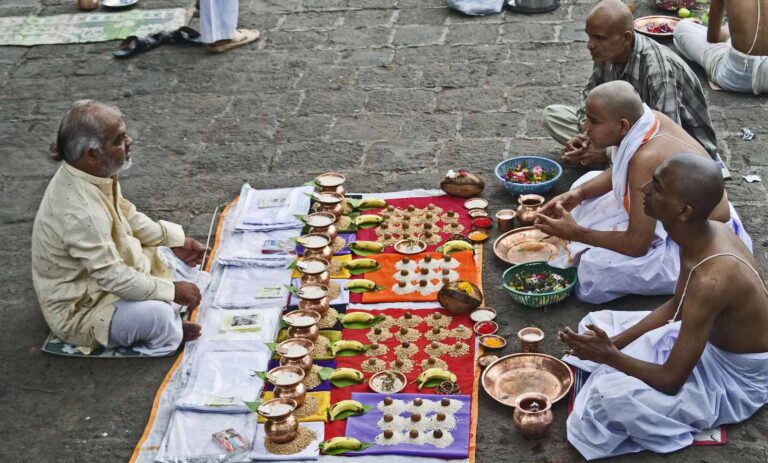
{"x": 242, "y": 37}
{"x": 133, "y": 45}
{"x": 184, "y": 36}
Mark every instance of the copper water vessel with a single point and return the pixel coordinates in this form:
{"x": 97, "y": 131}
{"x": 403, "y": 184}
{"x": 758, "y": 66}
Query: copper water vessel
{"x": 281, "y": 426}
{"x": 295, "y": 389}
{"x": 533, "y": 415}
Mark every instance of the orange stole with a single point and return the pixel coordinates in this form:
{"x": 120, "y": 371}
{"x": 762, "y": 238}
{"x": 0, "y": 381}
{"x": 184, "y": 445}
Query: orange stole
{"x": 385, "y": 276}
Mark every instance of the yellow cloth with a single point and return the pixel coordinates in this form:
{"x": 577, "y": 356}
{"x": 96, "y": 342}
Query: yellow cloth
{"x": 90, "y": 248}
{"x": 323, "y": 403}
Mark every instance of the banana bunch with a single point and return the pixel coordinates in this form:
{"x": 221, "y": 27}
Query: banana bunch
{"x": 347, "y": 373}
{"x": 369, "y": 246}
{"x": 455, "y": 246}
{"x": 368, "y": 220}
{"x": 371, "y": 203}
{"x": 342, "y": 345}
{"x": 345, "y": 405}
{"x": 360, "y": 284}
{"x": 341, "y": 443}
{"x": 435, "y": 374}
{"x": 359, "y": 264}
{"x": 357, "y": 317}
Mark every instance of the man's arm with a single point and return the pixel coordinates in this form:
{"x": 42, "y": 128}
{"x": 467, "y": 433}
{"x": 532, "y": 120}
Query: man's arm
{"x": 661, "y": 315}
{"x": 715, "y": 31}
{"x": 149, "y": 232}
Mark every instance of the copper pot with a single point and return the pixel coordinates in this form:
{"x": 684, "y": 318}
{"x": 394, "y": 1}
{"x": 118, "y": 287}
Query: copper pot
{"x": 302, "y": 360}
{"x": 303, "y": 330}
{"x": 533, "y": 415}
{"x": 330, "y": 202}
{"x": 322, "y": 217}
{"x": 284, "y": 389}
{"x": 331, "y": 182}
{"x": 319, "y": 304}
{"x": 308, "y": 277}
{"x": 330, "y": 230}
{"x": 88, "y": 4}
{"x": 319, "y": 279}
{"x": 529, "y": 205}
{"x": 281, "y": 426}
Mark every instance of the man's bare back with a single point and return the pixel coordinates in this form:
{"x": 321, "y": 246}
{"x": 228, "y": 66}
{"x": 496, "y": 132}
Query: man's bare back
{"x": 742, "y": 24}
{"x": 672, "y": 139}
{"x": 741, "y": 325}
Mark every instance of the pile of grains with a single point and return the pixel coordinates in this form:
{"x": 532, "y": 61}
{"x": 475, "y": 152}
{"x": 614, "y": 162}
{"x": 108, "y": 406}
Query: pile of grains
{"x": 343, "y": 223}
{"x": 308, "y": 408}
{"x": 410, "y": 334}
{"x": 459, "y": 349}
{"x": 373, "y": 365}
{"x": 387, "y": 323}
{"x": 436, "y": 349}
{"x": 378, "y": 351}
{"x": 391, "y": 406}
{"x": 439, "y": 336}
{"x": 438, "y": 363}
{"x": 334, "y": 268}
{"x": 406, "y": 352}
{"x": 329, "y": 318}
{"x": 409, "y": 322}
{"x": 338, "y": 244}
{"x": 438, "y": 320}
{"x": 396, "y": 422}
{"x": 322, "y": 348}
{"x": 461, "y": 332}
{"x": 378, "y": 333}
{"x": 334, "y": 290}
{"x": 304, "y": 437}
{"x": 405, "y": 366}
{"x": 312, "y": 379}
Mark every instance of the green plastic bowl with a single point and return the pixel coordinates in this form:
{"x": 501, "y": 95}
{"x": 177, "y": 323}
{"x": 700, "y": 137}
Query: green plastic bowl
{"x": 539, "y": 299}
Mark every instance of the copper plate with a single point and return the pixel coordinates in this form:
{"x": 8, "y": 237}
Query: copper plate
{"x": 508, "y": 377}
{"x": 528, "y": 244}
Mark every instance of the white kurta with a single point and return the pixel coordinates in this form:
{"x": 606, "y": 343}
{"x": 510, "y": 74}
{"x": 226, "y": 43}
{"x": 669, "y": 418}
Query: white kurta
{"x": 605, "y": 275}
{"x": 615, "y": 414}
{"x": 218, "y": 20}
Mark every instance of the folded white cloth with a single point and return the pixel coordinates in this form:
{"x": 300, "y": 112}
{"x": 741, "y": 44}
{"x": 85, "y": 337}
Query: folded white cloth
{"x": 264, "y": 210}
{"x": 220, "y": 375}
{"x": 214, "y": 321}
{"x": 246, "y": 248}
{"x": 190, "y": 437}
{"x": 242, "y": 287}
{"x": 310, "y": 452}
{"x": 648, "y": 125}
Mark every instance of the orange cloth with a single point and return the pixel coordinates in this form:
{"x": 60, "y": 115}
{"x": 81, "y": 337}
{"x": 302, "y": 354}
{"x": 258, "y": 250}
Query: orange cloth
{"x": 385, "y": 276}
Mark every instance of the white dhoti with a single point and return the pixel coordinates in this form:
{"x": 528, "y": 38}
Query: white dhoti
{"x": 605, "y": 275}
{"x": 218, "y": 20}
{"x": 615, "y": 414}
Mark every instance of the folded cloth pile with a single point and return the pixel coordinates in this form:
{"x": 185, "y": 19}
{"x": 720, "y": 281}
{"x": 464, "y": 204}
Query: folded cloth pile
{"x": 265, "y": 210}
{"x": 252, "y": 287}
{"x": 263, "y": 249}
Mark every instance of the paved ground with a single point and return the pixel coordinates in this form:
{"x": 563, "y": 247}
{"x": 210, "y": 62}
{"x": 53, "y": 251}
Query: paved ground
{"x": 391, "y": 92}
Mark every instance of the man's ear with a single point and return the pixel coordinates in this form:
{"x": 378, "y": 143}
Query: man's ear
{"x": 686, "y": 213}
{"x": 628, "y": 36}
{"x": 625, "y": 126}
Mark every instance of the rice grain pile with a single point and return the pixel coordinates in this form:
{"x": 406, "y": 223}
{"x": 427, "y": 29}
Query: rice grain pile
{"x": 459, "y": 349}
{"x": 329, "y": 318}
{"x": 308, "y": 408}
{"x": 312, "y": 379}
{"x": 322, "y": 347}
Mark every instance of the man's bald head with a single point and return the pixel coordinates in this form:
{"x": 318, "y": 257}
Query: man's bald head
{"x": 614, "y": 13}
{"x": 695, "y": 180}
{"x": 616, "y": 100}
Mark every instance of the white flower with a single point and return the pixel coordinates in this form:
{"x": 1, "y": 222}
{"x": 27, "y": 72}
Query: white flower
{"x": 451, "y": 174}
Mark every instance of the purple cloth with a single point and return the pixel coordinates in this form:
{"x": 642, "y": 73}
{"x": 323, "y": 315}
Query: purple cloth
{"x": 347, "y": 237}
{"x": 364, "y": 428}
{"x": 324, "y": 386}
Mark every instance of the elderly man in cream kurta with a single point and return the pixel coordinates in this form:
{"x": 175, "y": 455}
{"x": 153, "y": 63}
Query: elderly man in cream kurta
{"x": 96, "y": 266}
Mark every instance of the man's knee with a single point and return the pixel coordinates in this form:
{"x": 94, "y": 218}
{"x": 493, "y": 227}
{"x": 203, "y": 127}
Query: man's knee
{"x": 152, "y": 322}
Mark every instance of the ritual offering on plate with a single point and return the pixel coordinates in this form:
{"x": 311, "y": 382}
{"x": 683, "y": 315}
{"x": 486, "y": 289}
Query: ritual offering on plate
{"x": 314, "y": 270}
{"x": 487, "y": 359}
{"x": 510, "y": 376}
{"x": 530, "y": 339}
{"x": 410, "y": 246}
{"x": 297, "y": 352}
{"x": 302, "y": 324}
{"x": 527, "y": 174}
{"x": 475, "y": 213}
{"x": 505, "y": 219}
{"x": 475, "y": 203}
{"x": 492, "y": 341}
{"x": 388, "y": 382}
{"x": 288, "y": 384}
{"x": 281, "y": 426}
{"x": 528, "y": 244}
{"x": 331, "y": 182}
{"x": 460, "y": 297}
{"x": 462, "y": 183}
{"x": 482, "y": 314}
{"x": 485, "y": 327}
{"x": 322, "y": 222}
{"x": 482, "y": 222}
{"x": 529, "y": 206}
{"x": 538, "y": 282}
{"x": 316, "y": 245}
{"x": 313, "y": 297}
{"x": 532, "y": 416}
{"x": 478, "y": 236}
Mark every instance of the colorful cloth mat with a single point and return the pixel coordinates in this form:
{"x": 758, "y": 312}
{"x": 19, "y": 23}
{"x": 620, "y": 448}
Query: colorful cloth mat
{"x": 89, "y": 27}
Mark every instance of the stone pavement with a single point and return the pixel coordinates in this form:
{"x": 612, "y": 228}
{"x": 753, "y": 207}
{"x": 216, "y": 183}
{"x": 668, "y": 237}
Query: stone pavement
{"x": 391, "y": 92}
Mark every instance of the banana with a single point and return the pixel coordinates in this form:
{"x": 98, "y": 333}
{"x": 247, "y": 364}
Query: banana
{"x": 357, "y": 317}
{"x": 347, "y": 443}
{"x": 343, "y": 344}
{"x": 368, "y": 219}
{"x": 435, "y": 373}
{"x": 343, "y": 406}
{"x": 455, "y": 246}
{"x": 360, "y": 283}
{"x": 370, "y": 203}
{"x": 361, "y": 263}
{"x": 372, "y": 246}
{"x": 347, "y": 373}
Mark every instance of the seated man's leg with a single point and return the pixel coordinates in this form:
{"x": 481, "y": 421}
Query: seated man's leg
{"x": 152, "y": 324}
{"x": 561, "y": 122}
{"x": 691, "y": 41}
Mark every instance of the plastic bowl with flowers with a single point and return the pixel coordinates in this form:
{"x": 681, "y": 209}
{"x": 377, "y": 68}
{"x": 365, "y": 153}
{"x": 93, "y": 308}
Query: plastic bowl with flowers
{"x": 537, "y": 284}
{"x": 528, "y": 174}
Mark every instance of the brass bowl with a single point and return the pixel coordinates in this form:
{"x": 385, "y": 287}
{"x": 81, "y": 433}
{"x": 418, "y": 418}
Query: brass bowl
{"x": 510, "y": 376}
{"x": 507, "y": 246}
{"x": 457, "y": 301}
{"x": 375, "y": 381}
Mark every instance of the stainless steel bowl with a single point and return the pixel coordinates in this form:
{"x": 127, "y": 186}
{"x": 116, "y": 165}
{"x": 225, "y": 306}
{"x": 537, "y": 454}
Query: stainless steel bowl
{"x": 533, "y": 6}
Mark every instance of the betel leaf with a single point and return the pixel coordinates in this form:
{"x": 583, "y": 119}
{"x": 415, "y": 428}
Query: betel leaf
{"x": 292, "y": 290}
{"x": 353, "y": 203}
{"x": 362, "y": 252}
{"x": 311, "y": 183}
{"x": 253, "y": 406}
{"x": 345, "y": 382}
{"x": 363, "y": 446}
{"x": 347, "y": 413}
{"x": 283, "y": 324}
{"x": 361, "y": 325}
{"x": 293, "y": 265}
{"x": 367, "y": 224}
{"x": 260, "y": 374}
{"x": 325, "y": 373}
{"x": 431, "y": 383}
{"x": 271, "y": 346}
{"x": 299, "y": 217}
{"x": 365, "y": 290}
{"x": 349, "y": 352}
{"x": 362, "y": 270}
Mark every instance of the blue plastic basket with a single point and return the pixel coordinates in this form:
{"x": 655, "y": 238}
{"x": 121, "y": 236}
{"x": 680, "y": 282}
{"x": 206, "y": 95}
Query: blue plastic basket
{"x": 529, "y": 188}
{"x": 539, "y": 299}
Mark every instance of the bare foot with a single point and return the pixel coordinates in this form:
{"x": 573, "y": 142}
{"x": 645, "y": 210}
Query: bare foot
{"x": 191, "y": 330}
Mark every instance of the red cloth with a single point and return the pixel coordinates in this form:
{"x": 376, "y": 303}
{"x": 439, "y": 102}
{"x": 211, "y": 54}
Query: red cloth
{"x": 462, "y": 367}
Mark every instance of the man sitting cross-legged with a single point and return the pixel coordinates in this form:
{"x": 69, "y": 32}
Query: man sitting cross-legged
{"x": 96, "y": 266}
{"x": 696, "y": 362}
{"x": 618, "y": 249}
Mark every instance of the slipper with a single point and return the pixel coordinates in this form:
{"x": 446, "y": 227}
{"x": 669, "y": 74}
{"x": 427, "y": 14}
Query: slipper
{"x": 242, "y": 37}
{"x": 133, "y": 45}
{"x": 183, "y": 36}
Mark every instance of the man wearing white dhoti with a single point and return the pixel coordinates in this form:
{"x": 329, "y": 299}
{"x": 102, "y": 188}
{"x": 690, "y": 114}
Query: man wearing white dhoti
{"x": 96, "y": 266}
{"x": 617, "y": 248}
{"x": 218, "y": 25}
{"x": 696, "y": 362}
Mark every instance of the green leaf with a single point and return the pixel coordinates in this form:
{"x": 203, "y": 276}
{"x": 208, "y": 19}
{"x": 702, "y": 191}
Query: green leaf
{"x": 253, "y": 406}
{"x": 310, "y": 183}
{"x": 358, "y": 290}
{"x": 368, "y": 225}
{"x": 292, "y": 290}
{"x": 293, "y": 264}
{"x": 431, "y": 383}
{"x": 283, "y": 324}
{"x": 347, "y": 413}
{"x": 361, "y": 325}
{"x": 364, "y": 446}
{"x": 325, "y": 373}
{"x": 345, "y": 382}
{"x": 260, "y": 374}
{"x": 299, "y": 217}
{"x": 271, "y": 346}
{"x": 353, "y": 202}
{"x": 362, "y": 252}
{"x": 361, "y": 270}
{"x": 349, "y": 353}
